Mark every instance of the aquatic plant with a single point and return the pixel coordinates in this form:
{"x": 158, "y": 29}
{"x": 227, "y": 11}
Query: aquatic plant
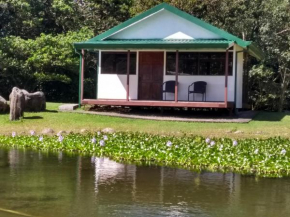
{"x": 102, "y": 143}
{"x": 94, "y": 140}
{"x": 169, "y": 143}
{"x": 235, "y": 143}
{"x": 60, "y": 138}
{"x": 13, "y": 134}
{"x": 262, "y": 157}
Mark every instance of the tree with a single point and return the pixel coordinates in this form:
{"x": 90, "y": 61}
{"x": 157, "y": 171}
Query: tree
{"x": 275, "y": 36}
{"x": 41, "y": 64}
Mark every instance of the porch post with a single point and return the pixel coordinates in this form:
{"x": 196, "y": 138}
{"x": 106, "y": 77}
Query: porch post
{"x": 82, "y": 74}
{"x": 176, "y": 77}
{"x": 128, "y": 75}
{"x": 226, "y": 76}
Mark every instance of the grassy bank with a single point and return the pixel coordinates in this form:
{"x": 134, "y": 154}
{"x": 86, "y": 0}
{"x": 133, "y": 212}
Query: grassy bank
{"x": 266, "y": 158}
{"x": 265, "y": 124}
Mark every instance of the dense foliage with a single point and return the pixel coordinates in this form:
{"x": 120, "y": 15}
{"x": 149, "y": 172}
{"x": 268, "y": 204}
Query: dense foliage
{"x": 261, "y": 157}
{"x": 36, "y": 41}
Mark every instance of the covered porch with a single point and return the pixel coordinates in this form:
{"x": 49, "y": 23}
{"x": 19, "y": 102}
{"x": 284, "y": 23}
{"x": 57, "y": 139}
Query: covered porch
{"x": 157, "y": 103}
{"x": 138, "y": 76}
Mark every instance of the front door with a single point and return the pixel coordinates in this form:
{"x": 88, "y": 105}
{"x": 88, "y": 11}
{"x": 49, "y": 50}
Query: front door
{"x": 150, "y": 75}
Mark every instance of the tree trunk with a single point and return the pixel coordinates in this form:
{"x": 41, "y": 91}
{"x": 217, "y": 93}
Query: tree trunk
{"x": 284, "y": 86}
{"x": 17, "y": 102}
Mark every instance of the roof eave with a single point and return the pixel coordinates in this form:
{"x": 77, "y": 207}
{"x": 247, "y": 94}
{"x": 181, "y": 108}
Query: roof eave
{"x": 125, "y": 46}
{"x": 255, "y": 51}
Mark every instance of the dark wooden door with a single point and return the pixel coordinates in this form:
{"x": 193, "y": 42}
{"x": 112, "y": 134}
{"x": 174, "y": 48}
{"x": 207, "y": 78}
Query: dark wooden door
{"x": 150, "y": 75}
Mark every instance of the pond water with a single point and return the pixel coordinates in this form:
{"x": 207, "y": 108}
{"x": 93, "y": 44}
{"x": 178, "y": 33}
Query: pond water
{"x": 57, "y": 185}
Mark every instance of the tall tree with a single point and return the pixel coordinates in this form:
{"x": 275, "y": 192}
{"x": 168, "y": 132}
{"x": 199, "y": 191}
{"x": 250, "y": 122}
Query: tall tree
{"x": 275, "y": 36}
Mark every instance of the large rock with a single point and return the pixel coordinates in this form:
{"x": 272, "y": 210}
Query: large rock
{"x": 3, "y": 105}
{"x": 17, "y": 104}
{"x": 34, "y": 101}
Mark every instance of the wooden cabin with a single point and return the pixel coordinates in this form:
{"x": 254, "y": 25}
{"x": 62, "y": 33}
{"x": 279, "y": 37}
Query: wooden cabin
{"x": 165, "y": 57}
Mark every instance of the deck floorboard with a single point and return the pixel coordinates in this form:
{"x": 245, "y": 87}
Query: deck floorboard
{"x": 151, "y": 103}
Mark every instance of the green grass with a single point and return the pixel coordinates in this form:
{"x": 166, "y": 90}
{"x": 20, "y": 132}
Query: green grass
{"x": 265, "y": 124}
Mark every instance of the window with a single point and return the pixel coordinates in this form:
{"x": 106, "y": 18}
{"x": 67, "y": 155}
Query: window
{"x": 116, "y": 63}
{"x": 193, "y": 63}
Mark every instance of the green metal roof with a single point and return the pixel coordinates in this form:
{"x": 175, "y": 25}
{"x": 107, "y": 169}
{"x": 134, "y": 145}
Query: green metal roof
{"x": 97, "y": 42}
{"x": 154, "y": 44}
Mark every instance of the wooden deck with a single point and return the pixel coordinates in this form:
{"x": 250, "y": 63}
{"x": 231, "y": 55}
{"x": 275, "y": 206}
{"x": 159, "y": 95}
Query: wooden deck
{"x": 148, "y": 103}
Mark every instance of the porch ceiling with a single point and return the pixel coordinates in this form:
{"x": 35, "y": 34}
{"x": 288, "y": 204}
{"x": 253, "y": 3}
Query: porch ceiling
{"x": 155, "y": 44}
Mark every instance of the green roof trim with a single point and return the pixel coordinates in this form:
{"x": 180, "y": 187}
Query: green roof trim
{"x": 155, "y": 44}
{"x": 94, "y": 42}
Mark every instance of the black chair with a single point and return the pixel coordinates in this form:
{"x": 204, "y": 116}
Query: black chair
{"x": 168, "y": 87}
{"x": 198, "y": 87}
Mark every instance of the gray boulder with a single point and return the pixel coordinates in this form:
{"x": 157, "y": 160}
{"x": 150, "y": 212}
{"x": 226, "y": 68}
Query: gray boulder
{"x": 34, "y": 101}
{"x": 3, "y": 105}
{"x": 17, "y": 103}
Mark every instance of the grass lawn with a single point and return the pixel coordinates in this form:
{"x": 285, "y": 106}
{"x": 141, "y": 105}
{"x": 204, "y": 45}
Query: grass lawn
{"x": 265, "y": 124}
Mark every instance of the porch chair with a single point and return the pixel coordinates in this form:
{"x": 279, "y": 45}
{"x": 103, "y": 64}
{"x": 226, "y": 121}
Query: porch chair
{"x": 197, "y": 87}
{"x": 168, "y": 87}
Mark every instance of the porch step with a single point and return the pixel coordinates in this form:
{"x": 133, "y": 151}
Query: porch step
{"x": 68, "y": 107}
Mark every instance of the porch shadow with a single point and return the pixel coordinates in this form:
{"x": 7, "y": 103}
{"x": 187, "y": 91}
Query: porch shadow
{"x": 33, "y": 117}
{"x": 195, "y": 115}
{"x": 51, "y": 111}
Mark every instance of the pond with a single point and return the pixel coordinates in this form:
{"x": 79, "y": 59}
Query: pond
{"x": 58, "y": 185}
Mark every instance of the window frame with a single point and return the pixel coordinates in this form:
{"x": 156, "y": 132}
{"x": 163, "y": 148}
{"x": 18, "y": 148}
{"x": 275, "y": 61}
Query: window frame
{"x": 231, "y": 63}
{"x": 131, "y": 72}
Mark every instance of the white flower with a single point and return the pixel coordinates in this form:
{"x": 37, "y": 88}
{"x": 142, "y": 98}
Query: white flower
{"x": 207, "y": 140}
{"x": 176, "y": 146}
{"x": 105, "y": 137}
{"x": 221, "y": 147}
{"x": 32, "y": 132}
{"x": 40, "y": 138}
{"x": 60, "y": 138}
{"x": 212, "y": 143}
{"x": 102, "y": 143}
{"x": 256, "y": 151}
{"x": 169, "y": 143}
{"x": 283, "y": 152}
{"x": 235, "y": 143}
{"x": 98, "y": 133}
{"x": 13, "y": 134}
{"x": 93, "y": 140}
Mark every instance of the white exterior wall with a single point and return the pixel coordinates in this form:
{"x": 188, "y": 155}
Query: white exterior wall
{"x": 240, "y": 71}
{"x": 111, "y": 86}
{"x": 114, "y": 86}
{"x": 215, "y": 89}
{"x": 164, "y": 25}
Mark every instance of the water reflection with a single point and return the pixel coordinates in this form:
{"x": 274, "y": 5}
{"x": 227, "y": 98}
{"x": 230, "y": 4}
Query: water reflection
{"x": 46, "y": 184}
